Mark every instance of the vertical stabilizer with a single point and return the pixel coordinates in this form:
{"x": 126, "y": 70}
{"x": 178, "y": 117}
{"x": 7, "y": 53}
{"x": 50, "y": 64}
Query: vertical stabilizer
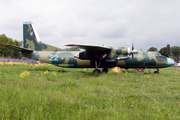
{"x": 31, "y": 39}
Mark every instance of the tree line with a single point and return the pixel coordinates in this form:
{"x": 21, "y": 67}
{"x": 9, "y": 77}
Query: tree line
{"x": 6, "y": 52}
{"x": 171, "y": 52}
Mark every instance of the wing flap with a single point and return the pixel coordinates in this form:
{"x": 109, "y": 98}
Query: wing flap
{"x": 17, "y": 48}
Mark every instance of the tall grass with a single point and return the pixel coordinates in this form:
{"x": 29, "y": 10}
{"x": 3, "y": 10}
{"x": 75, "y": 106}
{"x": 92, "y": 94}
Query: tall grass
{"x": 80, "y": 94}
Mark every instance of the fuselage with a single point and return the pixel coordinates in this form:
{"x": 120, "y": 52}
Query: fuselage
{"x": 66, "y": 59}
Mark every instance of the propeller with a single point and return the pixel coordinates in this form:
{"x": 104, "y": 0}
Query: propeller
{"x": 133, "y": 51}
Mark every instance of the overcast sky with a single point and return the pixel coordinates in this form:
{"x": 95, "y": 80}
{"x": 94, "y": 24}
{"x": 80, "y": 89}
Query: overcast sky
{"x": 146, "y": 23}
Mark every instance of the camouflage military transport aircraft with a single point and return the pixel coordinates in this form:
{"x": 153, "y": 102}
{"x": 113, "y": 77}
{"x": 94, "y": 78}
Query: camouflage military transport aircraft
{"x": 91, "y": 57}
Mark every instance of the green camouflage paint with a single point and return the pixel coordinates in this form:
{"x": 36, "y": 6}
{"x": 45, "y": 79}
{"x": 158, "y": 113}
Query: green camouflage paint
{"x": 56, "y": 56}
{"x": 30, "y": 40}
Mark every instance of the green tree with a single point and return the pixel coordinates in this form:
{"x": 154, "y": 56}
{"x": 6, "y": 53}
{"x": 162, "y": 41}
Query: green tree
{"x": 3, "y": 50}
{"x": 175, "y": 50}
{"x": 16, "y": 54}
{"x": 6, "y": 52}
{"x": 163, "y": 51}
{"x": 152, "y": 49}
{"x": 168, "y": 50}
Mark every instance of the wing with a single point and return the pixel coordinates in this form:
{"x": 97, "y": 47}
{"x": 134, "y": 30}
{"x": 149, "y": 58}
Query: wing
{"x": 91, "y": 47}
{"x": 92, "y": 52}
{"x": 17, "y": 48}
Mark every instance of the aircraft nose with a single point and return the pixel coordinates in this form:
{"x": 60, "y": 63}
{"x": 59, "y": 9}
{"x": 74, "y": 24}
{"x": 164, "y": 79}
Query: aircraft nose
{"x": 170, "y": 62}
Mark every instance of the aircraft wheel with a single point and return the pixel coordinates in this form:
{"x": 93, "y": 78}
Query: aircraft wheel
{"x": 105, "y": 70}
{"x": 156, "y": 71}
{"x": 97, "y": 70}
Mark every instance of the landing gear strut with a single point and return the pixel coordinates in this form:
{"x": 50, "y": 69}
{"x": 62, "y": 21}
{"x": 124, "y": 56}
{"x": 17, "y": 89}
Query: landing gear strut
{"x": 96, "y": 67}
{"x": 157, "y": 71}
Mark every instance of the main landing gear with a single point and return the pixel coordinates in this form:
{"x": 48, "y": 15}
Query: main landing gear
{"x": 97, "y": 70}
{"x": 157, "y": 71}
{"x": 105, "y": 70}
{"x": 96, "y": 67}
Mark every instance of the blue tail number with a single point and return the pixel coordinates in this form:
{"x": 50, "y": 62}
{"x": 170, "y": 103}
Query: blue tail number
{"x": 53, "y": 58}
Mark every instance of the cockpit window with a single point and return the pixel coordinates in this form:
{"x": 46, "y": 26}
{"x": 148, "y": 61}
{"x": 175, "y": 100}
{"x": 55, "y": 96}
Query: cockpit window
{"x": 156, "y": 54}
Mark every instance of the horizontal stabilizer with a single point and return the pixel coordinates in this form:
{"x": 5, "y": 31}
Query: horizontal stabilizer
{"x": 17, "y": 48}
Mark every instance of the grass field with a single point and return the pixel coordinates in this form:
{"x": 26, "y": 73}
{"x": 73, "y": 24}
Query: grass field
{"x": 49, "y": 92}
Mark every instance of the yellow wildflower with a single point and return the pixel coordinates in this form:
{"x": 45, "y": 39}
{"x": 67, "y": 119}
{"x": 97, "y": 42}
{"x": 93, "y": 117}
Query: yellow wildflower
{"x": 147, "y": 76}
{"x": 31, "y": 65}
{"x": 46, "y": 72}
{"x": 54, "y": 73}
{"x": 1, "y": 63}
{"x": 24, "y": 74}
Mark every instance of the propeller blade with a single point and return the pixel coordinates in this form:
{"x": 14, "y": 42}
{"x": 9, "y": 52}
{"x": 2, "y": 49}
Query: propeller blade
{"x": 132, "y": 46}
{"x": 132, "y": 53}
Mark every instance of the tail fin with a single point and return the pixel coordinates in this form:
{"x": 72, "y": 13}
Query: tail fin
{"x": 32, "y": 41}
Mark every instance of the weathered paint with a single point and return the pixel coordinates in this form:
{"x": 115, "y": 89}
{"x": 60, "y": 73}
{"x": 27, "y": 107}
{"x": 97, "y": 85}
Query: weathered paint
{"x": 30, "y": 40}
{"x": 140, "y": 56}
{"x": 58, "y": 57}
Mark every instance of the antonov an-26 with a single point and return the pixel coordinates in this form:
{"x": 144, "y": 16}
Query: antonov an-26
{"x": 92, "y": 56}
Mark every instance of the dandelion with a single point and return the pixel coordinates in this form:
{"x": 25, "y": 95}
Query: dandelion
{"x": 147, "y": 76}
{"x": 54, "y": 73}
{"x": 126, "y": 72}
{"x": 37, "y": 65}
{"x": 24, "y": 74}
{"x": 48, "y": 65}
{"x": 46, "y": 72}
{"x": 2, "y": 63}
{"x": 31, "y": 65}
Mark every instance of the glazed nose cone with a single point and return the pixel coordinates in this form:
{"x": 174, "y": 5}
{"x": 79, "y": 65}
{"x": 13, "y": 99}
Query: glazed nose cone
{"x": 170, "y": 62}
